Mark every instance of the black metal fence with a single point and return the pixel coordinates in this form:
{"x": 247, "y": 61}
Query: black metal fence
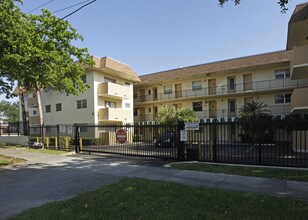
{"x": 14, "y": 128}
{"x": 271, "y": 143}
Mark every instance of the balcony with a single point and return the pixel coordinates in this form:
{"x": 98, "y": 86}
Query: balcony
{"x": 299, "y": 101}
{"x": 32, "y": 102}
{"x": 299, "y": 63}
{"x": 224, "y": 90}
{"x": 34, "y": 120}
{"x": 115, "y": 114}
{"x": 114, "y": 91}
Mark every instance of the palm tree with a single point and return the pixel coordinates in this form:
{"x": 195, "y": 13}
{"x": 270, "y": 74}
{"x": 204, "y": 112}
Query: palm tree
{"x": 255, "y": 121}
{"x": 186, "y": 114}
{"x": 254, "y": 110}
{"x": 167, "y": 115}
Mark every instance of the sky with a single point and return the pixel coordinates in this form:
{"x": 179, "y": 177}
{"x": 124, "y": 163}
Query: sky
{"x": 157, "y": 35}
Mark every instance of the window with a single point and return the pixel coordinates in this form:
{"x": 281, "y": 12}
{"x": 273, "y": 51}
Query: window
{"x": 150, "y": 110}
{"x": 135, "y": 95}
{"x": 149, "y": 92}
{"x": 83, "y": 129}
{"x": 282, "y": 98}
{"x": 84, "y": 78}
{"x": 197, "y": 85}
{"x": 34, "y": 112}
{"x": 232, "y": 105}
{"x": 109, "y": 104}
{"x": 168, "y": 89}
{"x": 58, "y": 107}
{"x": 127, "y": 83}
{"x": 81, "y": 103}
{"x": 127, "y": 105}
{"x": 47, "y": 108}
{"x": 135, "y": 111}
{"x": 231, "y": 83}
{"x": 281, "y": 74}
{"x": 197, "y": 106}
{"x": 107, "y": 79}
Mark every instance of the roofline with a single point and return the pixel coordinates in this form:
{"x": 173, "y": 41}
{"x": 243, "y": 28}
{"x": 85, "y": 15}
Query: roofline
{"x": 231, "y": 59}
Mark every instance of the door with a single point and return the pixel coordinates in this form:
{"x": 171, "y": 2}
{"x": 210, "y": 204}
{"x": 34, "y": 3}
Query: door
{"x": 155, "y": 94}
{"x": 142, "y": 95}
{"x": 247, "y": 82}
{"x": 231, "y": 84}
{"x": 155, "y": 110}
{"x": 142, "y": 113}
{"x": 212, "y": 86}
{"x": 231, "y": 107}
{"x": 178, "y": 91}
{"x": 213, "y": 109}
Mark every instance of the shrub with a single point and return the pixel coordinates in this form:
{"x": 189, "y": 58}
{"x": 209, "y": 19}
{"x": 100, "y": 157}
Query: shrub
{"x": 92, "y": 141}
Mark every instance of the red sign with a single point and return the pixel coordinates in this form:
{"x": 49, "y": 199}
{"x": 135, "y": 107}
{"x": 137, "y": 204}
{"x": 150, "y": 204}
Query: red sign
{"x": 121, "y": 136}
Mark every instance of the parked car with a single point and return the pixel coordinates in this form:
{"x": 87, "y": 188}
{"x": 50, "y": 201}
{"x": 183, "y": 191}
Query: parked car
{"x": 167, "y": 139}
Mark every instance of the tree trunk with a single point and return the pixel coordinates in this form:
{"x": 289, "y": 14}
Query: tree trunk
{"x": 40, "y": 111}
{"x": 23, "y": 111}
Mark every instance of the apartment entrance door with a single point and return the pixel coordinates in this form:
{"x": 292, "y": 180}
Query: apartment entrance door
{"x": 247, "y": 78}
{"x": 178, "y": 91}
{"x": 212, "y": 86}
{"x": 142, "y": 95}
{"x": 155, "y": 94}
{"x": 142, "y": 113}
{"x": 213, "y": 109}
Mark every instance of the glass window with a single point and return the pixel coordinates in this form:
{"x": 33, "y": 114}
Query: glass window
{"x": 34, "y": 112}
{"x": 58, "y": 107}
{"x": 81, "y": 103}
{"x": 231, "y": 83}
{"x": 127, "y": 105}
{"x": 135, "y": 95}
{"x": 47, "y": 108}
{"x": 281, "y": 74}
{"x": 282, "y": 98}
{"x": 135, "y": 111}
{"x": 109, "y": 104}
{"x": 107, "y": 79}
{"x": 197, "y": 85}
{"x": 127, "y": 83}
{"x": 167, "y": 89}
{"x": 197, "y": 106}
{"x": 84, "y": 78}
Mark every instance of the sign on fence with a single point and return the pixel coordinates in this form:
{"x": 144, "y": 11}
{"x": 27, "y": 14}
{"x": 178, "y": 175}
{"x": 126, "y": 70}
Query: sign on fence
{"x": 183, "y": 135}
{"x": 121, "y": 136}
{"x": 192, "y": 126}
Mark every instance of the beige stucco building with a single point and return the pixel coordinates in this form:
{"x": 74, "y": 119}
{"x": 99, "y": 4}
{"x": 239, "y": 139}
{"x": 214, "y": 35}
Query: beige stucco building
{"x": 219, "y": 89}
{"x": 108, "y": 100}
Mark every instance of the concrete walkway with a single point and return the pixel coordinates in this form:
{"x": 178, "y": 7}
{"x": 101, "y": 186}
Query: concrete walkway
{"x": 45, "y": 178}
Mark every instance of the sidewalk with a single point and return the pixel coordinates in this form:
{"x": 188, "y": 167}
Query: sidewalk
{"x": 45, "y": 178}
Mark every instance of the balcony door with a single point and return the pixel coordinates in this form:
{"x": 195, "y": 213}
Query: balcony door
{"x": 178, "y": 91}
{"x": 155, "y": 95}
{"x": 247, "y": 78}
{"x": 231, "y": 84}
{"x": 142, "y": 113}
{"x": 212, "y": 86}
{"x": 142, "y": 95}
{"x": 213, "y": 109}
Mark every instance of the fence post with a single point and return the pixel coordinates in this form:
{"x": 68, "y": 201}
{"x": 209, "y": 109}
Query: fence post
{"x": 180, "y": 143}
{"x": 58, "y": 137}
{"x": 213, "y": 140}
{"x": 56, "y": 143}
{"x": 76, "y": 138}
{"x": 66, "y": 143}
{"x": 259, "y": 153}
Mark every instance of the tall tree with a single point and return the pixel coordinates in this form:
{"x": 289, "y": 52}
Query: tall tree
{"x": 9, "y": 111}
{"x": 281, "y": 3}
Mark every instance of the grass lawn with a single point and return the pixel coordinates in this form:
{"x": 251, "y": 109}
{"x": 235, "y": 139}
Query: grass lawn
{"x": 146, "y": 199}
{"x": 5, "y": 160}
{"x": 299, "y": 175}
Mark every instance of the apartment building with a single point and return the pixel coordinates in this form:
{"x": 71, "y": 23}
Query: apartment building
{"x": 108, "y": 100}
{"x": 218, "y": 90}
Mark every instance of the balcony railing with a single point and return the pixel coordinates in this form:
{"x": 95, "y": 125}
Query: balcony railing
{"x": 32, "y": 102}
{"x": 113, "y": 90}
{"x": 276, "y": 110}
{"x": 225, "y": 90}
{"x": 114, "y": 114}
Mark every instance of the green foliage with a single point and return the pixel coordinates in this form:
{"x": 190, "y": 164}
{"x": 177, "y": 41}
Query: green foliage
{"x": 92, "y": 141}
{"x": 10, "y": 111}
{"x": 281, "y": 3}
{"x": 252, "y": 111}
{"x": 37, "y": 51}
{"x": 170, "y": 115}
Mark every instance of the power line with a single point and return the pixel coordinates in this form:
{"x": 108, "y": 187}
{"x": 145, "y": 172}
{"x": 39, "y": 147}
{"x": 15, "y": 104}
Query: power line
{"x": 39, "y": 6}
{"x": 70, "y": 7}
{"x": 64, "y": 17}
